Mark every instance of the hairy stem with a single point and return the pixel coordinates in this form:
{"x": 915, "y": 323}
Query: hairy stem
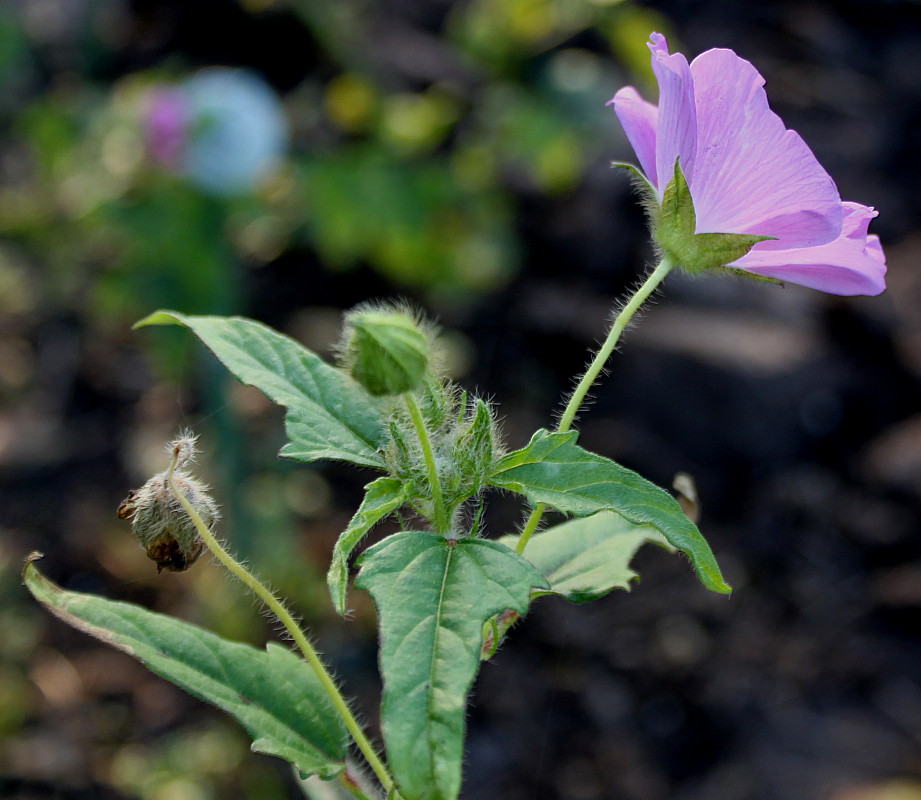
{"x": 610, "y": 343}
{"x": 441, "y": 516}
{"x": 530, "y": 526}
{"x": 284, "y": 616}
{"x": 594, "y": 370}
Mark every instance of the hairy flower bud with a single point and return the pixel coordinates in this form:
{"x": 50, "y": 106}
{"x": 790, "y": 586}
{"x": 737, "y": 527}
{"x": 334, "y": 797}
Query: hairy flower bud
{"x": 386, "y": 351}
{"x": 160, "y": 523}
{"x": 474, "y": 448}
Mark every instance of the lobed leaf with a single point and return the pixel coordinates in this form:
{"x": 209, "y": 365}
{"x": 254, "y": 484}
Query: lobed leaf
{"x": 272, "y": 693}
{"x": 328, "y": 414}
{"x": 584, "y": 559}
{"x": 433, "y": 596}
{"x": 553, "y": 469}
{"x": 382, "y": 497}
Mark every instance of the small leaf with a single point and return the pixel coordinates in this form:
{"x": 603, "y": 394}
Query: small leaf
{"x": 382, "y": 497}
{"x": 553, "y": 469}
{"x": 676, "y": 232}
{"x": 329, "y": 415}
{"x": 584, "y": 559}
{"x": 432, "y": 597}
{"x": 272, "y": 693}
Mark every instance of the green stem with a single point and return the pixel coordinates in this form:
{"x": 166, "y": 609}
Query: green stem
{"x": 441, "y": 516}
{"x": 594, "y": 370}
{"x": 284, "y": 616}
{"x": 529, "y": 527}
{"x": 610, "y": 343}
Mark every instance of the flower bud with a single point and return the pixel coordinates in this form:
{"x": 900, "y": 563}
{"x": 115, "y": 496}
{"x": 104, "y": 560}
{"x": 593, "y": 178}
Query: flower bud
{"x": 474, "y": 449}
{"x": 386, "y": 352}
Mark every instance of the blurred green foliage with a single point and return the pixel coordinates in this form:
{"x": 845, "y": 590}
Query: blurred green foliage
{"x": 417, "y": 176}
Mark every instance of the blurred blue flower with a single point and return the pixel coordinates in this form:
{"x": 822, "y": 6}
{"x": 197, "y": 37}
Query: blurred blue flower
{"x": 223, "y": 128}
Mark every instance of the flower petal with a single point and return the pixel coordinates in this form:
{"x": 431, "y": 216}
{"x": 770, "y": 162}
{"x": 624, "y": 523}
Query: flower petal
{"x": 677, "y": 128}
{"x": 751, "y": 174}
{"x": 852, "y": 264}
{"x": 639, "y": 120}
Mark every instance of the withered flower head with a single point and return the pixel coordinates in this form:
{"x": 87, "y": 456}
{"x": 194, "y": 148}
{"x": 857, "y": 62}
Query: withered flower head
{"x": 160, "y": 523}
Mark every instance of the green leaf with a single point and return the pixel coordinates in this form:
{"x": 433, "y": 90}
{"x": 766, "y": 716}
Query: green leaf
{"x": 553, "y": 469}
{"x": 329, "y": 415}
{"x": 433, "y": 596}
{"x": 382, "y": 497}
{"x": 695, "y": 252}
{"x": 584, "y": 559}
{"x": 272, "y": 693}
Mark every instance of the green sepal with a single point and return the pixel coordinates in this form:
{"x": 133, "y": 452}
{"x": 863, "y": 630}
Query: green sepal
{"x": 675, "y": 234}
{"x": 553, "y": 469}
{"x": 433, "y": 595}
{"x": 382, "y": 497}
{"x": 274, "y": 694}
{"x": 744, "y": 273}
{"x": 642, "y": 184}
{"x": 473, "y": 453}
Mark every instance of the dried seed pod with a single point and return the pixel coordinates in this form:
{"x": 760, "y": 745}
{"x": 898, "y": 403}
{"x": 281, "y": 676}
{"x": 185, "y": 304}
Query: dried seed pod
{"x": 160, "y": 523}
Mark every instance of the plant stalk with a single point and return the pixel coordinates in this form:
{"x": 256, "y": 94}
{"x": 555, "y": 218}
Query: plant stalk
{"x": 284, "y": 616}
{"x": 594, "y": 370}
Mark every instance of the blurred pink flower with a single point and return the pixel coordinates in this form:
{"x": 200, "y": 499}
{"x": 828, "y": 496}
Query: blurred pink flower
{"x": 748, "y": 174}
{"x": 166, "y": 121}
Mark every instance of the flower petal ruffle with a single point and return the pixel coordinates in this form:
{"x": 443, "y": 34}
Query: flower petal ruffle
{"x": 850, "y": 265}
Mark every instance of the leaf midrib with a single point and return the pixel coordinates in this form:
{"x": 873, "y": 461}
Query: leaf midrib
{"x": 431, "y": 692}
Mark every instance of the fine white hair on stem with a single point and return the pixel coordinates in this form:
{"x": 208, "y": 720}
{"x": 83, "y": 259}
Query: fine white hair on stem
{"x": 619, "y": 306}
{"x": 183, "y": 448}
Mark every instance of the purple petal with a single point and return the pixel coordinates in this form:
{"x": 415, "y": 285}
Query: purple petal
{"x": 639, "y": 120}
{"x": 751, "y": 174}
{"x": 677, "y": 128}
{"x": 852, "y": 264}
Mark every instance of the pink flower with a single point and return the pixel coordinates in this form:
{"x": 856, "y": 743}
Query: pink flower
{"x": 748, "y": 174}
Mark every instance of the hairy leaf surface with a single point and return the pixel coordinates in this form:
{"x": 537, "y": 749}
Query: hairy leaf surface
{"x": 271, "y": 692}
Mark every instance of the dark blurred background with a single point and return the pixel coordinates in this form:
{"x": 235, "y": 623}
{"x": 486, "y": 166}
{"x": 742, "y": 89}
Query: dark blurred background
{"x": 286, "y": 159}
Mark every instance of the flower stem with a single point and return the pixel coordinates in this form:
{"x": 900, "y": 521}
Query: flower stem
{"x": 441, "y": 516}
{"x": 594, "y": 370}
{"x": 284, "y": 616}
{"x": 610, "y": 343}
